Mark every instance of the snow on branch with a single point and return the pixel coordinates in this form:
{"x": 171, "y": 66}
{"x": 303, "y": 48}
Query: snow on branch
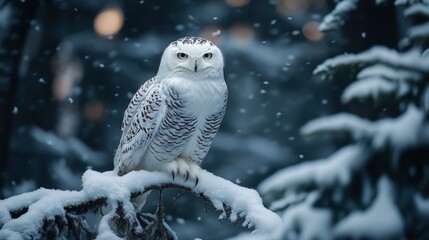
{"x": 410, "y": 60}
{"x": 49, "y": 212}
{"x": 334, "y": 20}
{"x": 403, "y": 132}
{"x": 422, "y": 206}
{"x": 337, "y": 18}
{"x": 337, "y": 169}
{"x": 417, "y": 10}
{"x": 303, "y": 220}
{"x": 382, "y": 220}
{"x": 420, "y": 31}
{"x": 339, "y": 124}
{"x": 389, "y": 73}
{"x": 300, "y": 221}
{"x": 371, "y": 87}
{"x": 379, "y": 80}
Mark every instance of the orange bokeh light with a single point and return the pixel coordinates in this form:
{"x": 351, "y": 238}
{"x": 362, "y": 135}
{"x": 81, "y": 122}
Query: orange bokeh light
{"x": 237, "y": 3}
{"x": 242, "y": 33}
{"x": 310, "y": 30}
{"x": 94, "y": 110}
{"x": 109, "y": 21}
{"x": 213, "y": 33}
{"x": 296, "y": 7}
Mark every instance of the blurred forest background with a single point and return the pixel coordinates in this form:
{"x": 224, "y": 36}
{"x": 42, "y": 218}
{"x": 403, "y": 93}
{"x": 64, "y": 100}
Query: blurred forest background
{"x": 69, "y": 68}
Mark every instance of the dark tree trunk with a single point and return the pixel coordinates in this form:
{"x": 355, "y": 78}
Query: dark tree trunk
{"x": 12, "y": 40}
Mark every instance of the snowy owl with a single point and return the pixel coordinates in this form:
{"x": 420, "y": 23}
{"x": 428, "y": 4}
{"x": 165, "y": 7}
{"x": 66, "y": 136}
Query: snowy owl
{"x": 172, "y": 119}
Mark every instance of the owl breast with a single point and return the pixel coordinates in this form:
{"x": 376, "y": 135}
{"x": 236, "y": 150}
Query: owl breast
{"x": 193, "y": 115}
{"x": 207, "y": 100}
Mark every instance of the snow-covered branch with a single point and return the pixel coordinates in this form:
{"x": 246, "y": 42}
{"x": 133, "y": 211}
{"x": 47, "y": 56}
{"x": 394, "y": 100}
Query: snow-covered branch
{"x": 382, "y": 220}
{"x": 336, "y": 19}
{"x": 377, "y": 81}
{"x": 417, "y": 10}
{"x": 408, "y": 130}
{"x": 337, "y": 169}
{"x": 411, "y": 61}
{"x": 50, "y": 212}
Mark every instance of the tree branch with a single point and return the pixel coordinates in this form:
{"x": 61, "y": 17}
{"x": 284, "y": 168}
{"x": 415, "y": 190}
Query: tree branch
{"x": 47, "y": 213}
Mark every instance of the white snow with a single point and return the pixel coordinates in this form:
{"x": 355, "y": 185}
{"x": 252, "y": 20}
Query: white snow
{"x": 400, "y": 133}
{"x": 18, "y": 202}
{"x": 389, "y": 73}
{"x": 417, "y": 9}
{"x": 337, "y": 169}
{"x": 289, "y": 198}
{"x": 244, "y": 202}
{"x": 410, "y": 60}
{"x": 20, "y": 187}
{"x": 335, "y": 19}
{"x": 305, "y": 222}
{"x": 373, "y": 87}
{"x": 301, "y": 221}
{"x": 45, "y": 204}
{"x": 340, "y": 124}
{"x": 382, "y": 220}
{"x": 422, "y": 206}
{"x": 419, "y": 31}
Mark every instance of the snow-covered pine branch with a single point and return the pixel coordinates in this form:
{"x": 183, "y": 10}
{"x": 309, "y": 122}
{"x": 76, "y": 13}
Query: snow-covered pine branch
{"x": 335, "y": 19}
{"x": 380, "y": 72}
{"x": 407, "y": 131}
{"x": 323, "y": 173}
{"x": 51, "y": 213}
{"x": 417, "y": 10}
{"x": 381, "y": 220}
{"x": 378, "y": 81}
{"x": 411, "y": 61}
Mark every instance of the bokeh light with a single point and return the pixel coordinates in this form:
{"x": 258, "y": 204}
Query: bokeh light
{"x": 109, "y": 21}
{"x": 242, "y": 33}
{"x": 311, "y": 31}
{"x": 295, "y": 7}
{"x": 213, "y": 33}
{"x": 237, "y": 3}
{"x": 94, "y": 110}
{"x": 292, "y": 7}
{"x": 68, "y": 71}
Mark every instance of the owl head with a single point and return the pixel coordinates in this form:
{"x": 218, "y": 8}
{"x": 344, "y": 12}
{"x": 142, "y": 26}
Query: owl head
{"x": 191, "y": 57}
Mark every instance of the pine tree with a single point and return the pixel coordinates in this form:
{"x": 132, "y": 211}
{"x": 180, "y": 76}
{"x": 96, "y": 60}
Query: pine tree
{"x": 376, "y": 186}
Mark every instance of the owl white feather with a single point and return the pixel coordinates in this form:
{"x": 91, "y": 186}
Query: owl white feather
{"x": 172, "y": 119}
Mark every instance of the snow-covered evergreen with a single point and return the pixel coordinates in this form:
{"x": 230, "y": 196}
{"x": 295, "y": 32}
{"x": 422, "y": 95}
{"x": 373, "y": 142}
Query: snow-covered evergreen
{"x": 376, "y": 186}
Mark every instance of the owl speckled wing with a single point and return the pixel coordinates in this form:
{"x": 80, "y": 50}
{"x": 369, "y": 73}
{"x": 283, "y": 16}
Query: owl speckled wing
{"x": 147, "y": 110}
{"x": 138, "y": 97}
{"x": 208, "y": 132}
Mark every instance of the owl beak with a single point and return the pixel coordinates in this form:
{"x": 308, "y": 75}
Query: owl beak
{"x": 196, "y": 66}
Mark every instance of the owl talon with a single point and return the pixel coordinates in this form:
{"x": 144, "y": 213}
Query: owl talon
{"x": 172, "y": 174}
{"x": 187, "y": 176}
{"x": 196, "y": 182}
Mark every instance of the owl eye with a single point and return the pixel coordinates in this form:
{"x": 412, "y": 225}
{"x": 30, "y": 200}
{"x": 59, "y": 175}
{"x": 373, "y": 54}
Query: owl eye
{"x": 182, "y": 55}
{"x": 207, "y": 55}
